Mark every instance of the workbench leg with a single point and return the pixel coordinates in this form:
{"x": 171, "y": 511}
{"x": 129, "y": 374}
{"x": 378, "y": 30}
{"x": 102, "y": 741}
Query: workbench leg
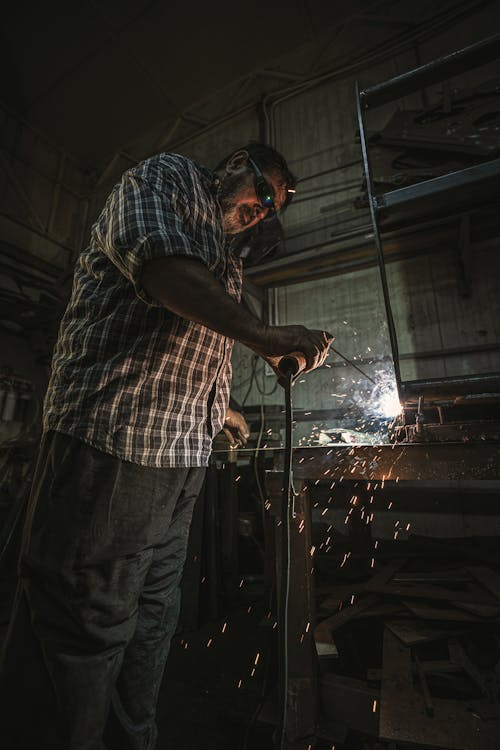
{"x": 302, "y": 689}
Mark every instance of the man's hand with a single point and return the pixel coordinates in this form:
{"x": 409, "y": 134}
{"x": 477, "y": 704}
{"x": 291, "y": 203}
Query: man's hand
{"x": 282, "y": 340}
{"x": 236, "y": 428}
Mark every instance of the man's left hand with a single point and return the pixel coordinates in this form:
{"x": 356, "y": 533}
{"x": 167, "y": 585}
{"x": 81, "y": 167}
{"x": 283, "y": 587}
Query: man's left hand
{"x": 236, "y": 428}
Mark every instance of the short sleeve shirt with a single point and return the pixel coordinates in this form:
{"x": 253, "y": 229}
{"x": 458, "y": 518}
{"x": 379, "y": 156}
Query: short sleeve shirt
{"x": 128, "y": 376}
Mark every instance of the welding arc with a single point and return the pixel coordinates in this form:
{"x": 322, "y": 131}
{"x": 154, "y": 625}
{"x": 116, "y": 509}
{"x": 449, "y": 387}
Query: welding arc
{"x": 364, "y": 374}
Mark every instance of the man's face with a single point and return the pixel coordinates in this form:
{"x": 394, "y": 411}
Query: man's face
{"x": 241, "y": 208}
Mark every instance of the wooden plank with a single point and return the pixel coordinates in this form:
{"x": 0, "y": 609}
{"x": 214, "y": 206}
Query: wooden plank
{"x": 435, "y": 666}
{"x": 430, "y": 592}
{"x": 436, "y": 611}
{"x": 383, "y": 609}
{"x": 429, "y": 705}
{"x": 433, "y": 576}
{"x": 412, "y": 632}
{"x": 403, "y": 716}
{"x": 384, "y": 574}
{"x": 486, "y": 611}
{"x": 323, "y": 631}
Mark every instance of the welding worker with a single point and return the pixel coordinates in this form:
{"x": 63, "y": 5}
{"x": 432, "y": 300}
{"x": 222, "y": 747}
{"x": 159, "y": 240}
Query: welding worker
{"x": 139, "y": 386}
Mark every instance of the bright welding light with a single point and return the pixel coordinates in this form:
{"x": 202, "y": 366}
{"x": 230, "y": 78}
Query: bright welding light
{"x": 389, "y": 404}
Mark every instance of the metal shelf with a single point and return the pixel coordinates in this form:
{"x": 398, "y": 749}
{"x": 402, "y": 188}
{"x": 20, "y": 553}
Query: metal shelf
{"x": 466, "y": 189}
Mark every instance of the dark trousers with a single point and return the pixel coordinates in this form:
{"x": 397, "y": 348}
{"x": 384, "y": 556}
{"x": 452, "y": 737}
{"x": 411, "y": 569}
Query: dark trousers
{"x": 103, "y": 550}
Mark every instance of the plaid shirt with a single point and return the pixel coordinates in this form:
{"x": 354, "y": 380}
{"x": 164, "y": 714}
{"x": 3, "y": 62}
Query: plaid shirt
{"x": 128, "y": 376}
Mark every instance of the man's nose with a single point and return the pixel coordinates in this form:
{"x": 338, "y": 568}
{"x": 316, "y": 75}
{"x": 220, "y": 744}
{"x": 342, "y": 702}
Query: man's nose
{"x": 260, "y": 211}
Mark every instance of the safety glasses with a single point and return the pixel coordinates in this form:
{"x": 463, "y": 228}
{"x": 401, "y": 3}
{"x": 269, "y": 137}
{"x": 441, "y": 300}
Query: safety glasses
{"x": 262, "y": 189}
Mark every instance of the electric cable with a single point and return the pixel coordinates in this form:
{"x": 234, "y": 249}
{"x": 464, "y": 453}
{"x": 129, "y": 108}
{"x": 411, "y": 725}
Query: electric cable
{"x": 286, "y": 516}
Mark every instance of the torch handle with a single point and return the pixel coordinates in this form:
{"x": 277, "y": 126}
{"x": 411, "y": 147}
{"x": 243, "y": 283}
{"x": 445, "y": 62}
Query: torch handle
{"x": 293, "y": 363}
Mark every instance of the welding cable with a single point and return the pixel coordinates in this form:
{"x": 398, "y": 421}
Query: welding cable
{"x": 286, "y": 516}
{"x": 256, "y": 469}
{"x": 253, "y": 379}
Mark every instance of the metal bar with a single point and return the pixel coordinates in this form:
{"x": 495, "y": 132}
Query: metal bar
{"x": 454, "y": 386}
{"x": 452, "y": 351}
{"x": 378, "y": 244}
{"x": 460, "y": 61}
{"x": 468, "y": 187}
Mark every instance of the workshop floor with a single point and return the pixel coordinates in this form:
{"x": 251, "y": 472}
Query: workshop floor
{"x": 209, "y": 697}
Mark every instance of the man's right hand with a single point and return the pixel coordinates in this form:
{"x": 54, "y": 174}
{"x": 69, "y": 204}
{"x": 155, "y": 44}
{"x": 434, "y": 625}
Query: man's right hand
{"x": 280, "y": 340}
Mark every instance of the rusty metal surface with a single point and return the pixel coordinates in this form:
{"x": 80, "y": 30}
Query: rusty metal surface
{"x": 430, "y": 461}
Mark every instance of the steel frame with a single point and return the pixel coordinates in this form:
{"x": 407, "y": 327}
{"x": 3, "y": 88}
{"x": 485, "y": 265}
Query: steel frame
{"x": 453, "y": 186}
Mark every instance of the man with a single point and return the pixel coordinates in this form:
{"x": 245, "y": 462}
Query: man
{"x": 139, "y": 386}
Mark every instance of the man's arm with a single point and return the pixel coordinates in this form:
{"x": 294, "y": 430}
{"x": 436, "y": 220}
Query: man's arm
{"x": 187, "y": 288}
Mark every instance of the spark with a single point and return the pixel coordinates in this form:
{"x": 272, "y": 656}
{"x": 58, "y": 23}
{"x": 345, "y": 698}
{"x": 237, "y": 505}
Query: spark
{"x": 374, "y": 707}
{"x": 224, "y": 628}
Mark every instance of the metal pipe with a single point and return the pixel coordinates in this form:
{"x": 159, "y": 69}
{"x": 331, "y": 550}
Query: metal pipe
{"x": 460, "y": 61}
{"x": 378, "y": 245}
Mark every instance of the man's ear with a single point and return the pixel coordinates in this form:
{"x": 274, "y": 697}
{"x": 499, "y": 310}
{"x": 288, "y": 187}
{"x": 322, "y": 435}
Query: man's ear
{"x": 238, "y": 162}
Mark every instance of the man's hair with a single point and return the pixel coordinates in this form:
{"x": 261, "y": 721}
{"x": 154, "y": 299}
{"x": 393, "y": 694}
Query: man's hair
{"x": 266, "y": 157}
